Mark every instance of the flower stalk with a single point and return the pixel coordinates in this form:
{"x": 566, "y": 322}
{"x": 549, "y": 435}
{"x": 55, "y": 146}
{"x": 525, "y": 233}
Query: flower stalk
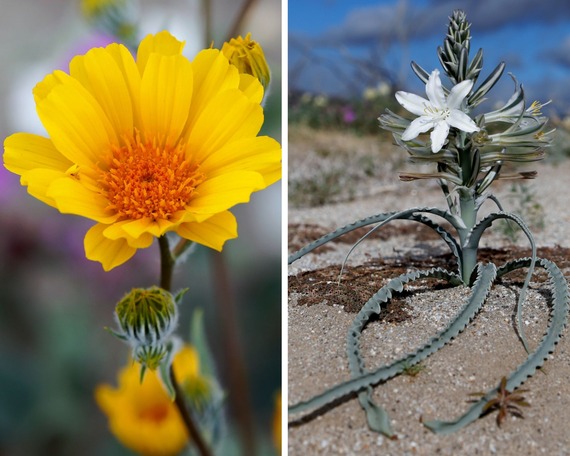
{"x": 469, "y": 152}
{"x": 167, "y": 264}
{"x": 189, "y": 422}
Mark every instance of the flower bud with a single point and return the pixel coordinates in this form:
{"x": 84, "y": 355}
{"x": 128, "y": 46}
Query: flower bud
{"x": 146, "y": 317}
{"x": 247, "y": 55}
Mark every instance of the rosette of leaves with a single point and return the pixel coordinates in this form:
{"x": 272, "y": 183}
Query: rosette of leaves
{"x": 465, "y": 166}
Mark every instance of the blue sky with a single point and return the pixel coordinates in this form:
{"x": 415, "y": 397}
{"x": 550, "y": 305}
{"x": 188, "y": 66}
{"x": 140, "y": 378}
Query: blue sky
{"x": 532, "y": 37}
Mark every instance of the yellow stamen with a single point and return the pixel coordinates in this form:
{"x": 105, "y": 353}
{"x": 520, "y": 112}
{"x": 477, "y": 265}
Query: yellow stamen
{"x": 535, "y": 108}
{"x": 147, "y": 179}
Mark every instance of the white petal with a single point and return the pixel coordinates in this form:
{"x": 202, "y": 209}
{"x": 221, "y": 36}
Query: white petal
{"x": 459, "y": 119}
{"x": 412, "y": 102}
{"x": 434, "y": 90}
{"x": 438, "y": 136}
{"x": 419, "y": 125}
{"x": 458, "y": 93}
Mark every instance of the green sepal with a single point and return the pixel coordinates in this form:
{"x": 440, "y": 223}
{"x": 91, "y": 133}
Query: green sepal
{"x": 115, "y": 333}
{"x": 179, "y": 295}
{"x": 164, "y": 373}
{"x": 142, "y": 372}
{"x": 165, "y": 366}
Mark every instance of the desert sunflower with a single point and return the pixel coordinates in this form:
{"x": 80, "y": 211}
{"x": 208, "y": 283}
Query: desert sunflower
{"x": 141, "y": 415}
{"x": 148, "y": 146}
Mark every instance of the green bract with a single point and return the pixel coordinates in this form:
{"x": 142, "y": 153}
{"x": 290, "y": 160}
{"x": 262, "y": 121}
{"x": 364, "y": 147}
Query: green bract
{"x": 146, "y": 316}
{"x": 467, "y": 161}
{"x": 147, "y": 319}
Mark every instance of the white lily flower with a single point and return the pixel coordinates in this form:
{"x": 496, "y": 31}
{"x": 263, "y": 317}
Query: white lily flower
{"x": 438, "y": 111}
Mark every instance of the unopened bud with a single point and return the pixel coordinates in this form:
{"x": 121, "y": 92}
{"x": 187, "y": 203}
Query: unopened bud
{"x": 146, "y": 317}
{"x": 247, "y": 55}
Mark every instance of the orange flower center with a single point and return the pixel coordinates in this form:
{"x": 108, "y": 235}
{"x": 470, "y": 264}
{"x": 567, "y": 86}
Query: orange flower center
{"x": 146, "y": 179}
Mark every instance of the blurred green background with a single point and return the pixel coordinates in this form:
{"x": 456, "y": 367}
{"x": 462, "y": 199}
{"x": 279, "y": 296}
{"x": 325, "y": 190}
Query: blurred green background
{"x": 54, "y": 303}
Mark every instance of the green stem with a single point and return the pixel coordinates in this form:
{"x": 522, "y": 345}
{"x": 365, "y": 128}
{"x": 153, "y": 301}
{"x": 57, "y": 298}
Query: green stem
{"x": 167, "y": 263}
{"x": 195, "y": 435}
{"x": 468, "y": 209}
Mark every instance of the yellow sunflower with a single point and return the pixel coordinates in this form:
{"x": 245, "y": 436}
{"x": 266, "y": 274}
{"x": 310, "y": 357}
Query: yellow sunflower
{"x": 148, "y": 146}
{"x": 141, "y": 415}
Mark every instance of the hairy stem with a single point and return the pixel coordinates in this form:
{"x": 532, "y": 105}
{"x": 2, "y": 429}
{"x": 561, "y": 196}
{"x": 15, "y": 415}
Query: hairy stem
{"x": 167, "y": 263}
{"x": 195, "y": 435}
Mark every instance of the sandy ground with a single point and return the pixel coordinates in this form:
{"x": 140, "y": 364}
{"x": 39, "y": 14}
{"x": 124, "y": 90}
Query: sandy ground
{"x": 487, "y": 350}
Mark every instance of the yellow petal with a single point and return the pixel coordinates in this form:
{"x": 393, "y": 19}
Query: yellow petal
{"x": 162, "y": 43}
{"x": 251, "y": 87}
{"x": 222, "y": 192}
{"x": 186, "y": 363}
{"x": 43, "y": 88}
{"x": 106, "y": 398}
{"x": 39, "y": 182}
{"x": 99, "y": 73}
{"x": 132, "y": 411}
{"x": 109, "y": 253}
{"x": 166, "y": 92}
{"x": 213, "y": 232}
{"x": 76, "y": 122}
{"x": 138, "y": 233}
{"x": 130, "y": 71}
{"x": 228, "y": 117}
{"x": 72, "y": 197}
{"x": 26, "y": 151}
{"x": 212, "y": 74}
{"x": 261, "y": 154}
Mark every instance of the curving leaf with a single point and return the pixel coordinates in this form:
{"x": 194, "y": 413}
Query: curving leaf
{"x": 477, "y": 96}
{"x": 420, "y": 72}
{"x": 557, "y": 323}
{"x": 362, "y": 379}
{"x": 411, "y": 214}
{"x": 472, "y": 243}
